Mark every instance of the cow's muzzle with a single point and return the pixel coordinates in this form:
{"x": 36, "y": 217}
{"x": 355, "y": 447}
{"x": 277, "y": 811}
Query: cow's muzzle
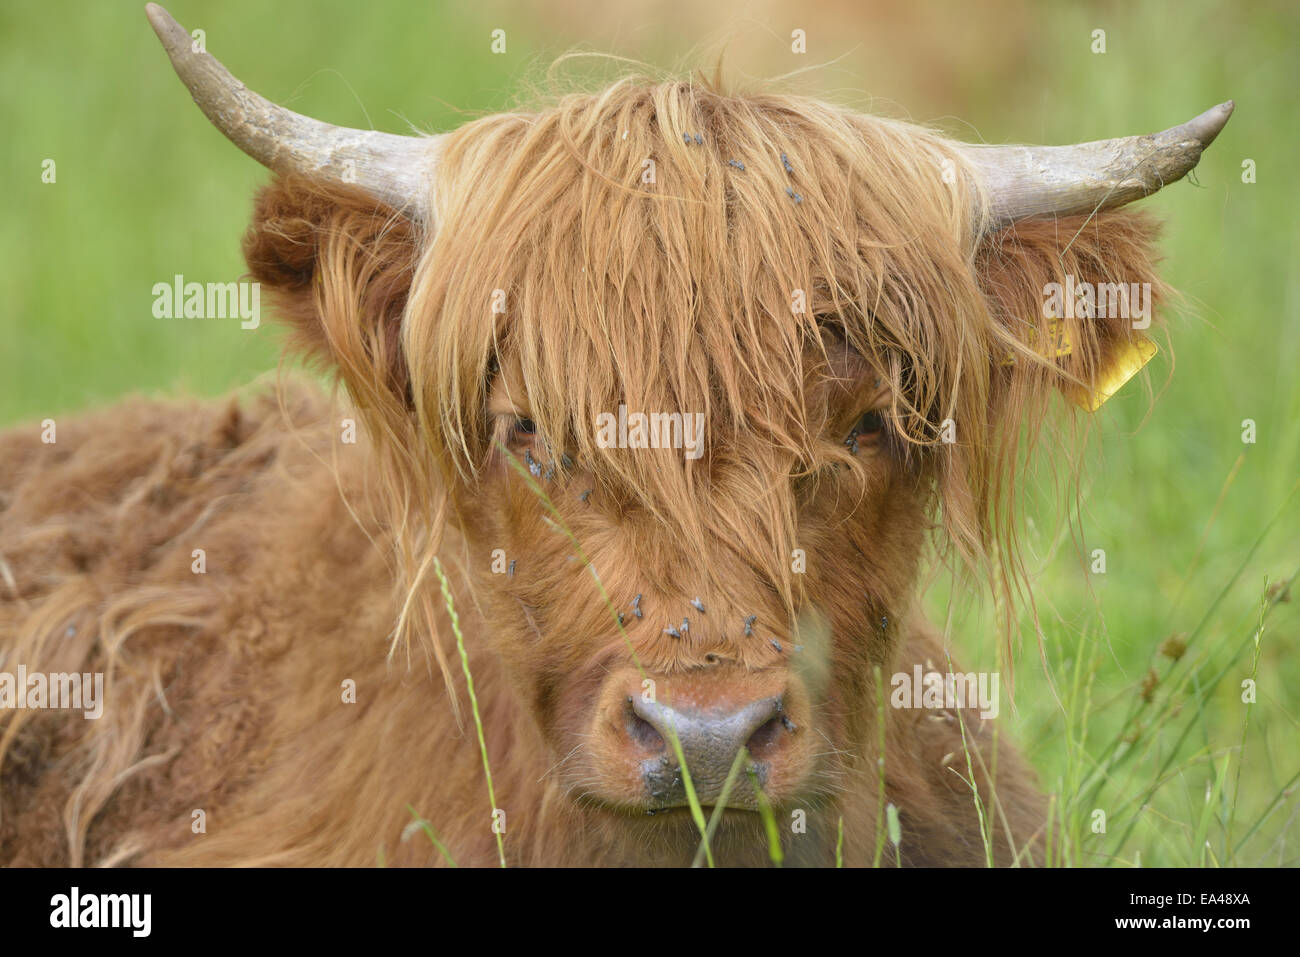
{"x": 735, "y": 735}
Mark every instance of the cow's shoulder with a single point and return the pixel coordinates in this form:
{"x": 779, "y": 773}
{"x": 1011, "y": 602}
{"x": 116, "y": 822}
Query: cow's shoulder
{"x": 966, "y": 779}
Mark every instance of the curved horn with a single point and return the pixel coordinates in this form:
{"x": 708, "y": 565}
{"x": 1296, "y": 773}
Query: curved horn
{"x": 1025, "y": 181}
{"x": 394, "y": 169}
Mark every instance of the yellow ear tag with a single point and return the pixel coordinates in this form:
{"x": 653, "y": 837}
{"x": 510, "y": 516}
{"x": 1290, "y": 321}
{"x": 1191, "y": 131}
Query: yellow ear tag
{"x": 1126, "y": 363}
{"x": 1057, "y": 341}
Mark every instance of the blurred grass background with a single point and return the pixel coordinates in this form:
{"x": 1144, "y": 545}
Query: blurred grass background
{"x": 147, "y": 189}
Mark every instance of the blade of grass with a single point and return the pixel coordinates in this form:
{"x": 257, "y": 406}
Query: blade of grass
{"x": 880, "y": 767}
{"x": 1285, "y": 790}
{"x": 431, "y": 834}
{"x": 473, "y": 699}
{"x": 774, "y": 851}
{"x": 975, "y": 793}
{"x": 1199, "y": 843}
{"x": 1245, "y": 724}
{"x": 1205, "y": 535}
{"x": 716, "y": 817}
{"x": 895, "y": 833}
{"x": 1051, "y": 811}
{"x": 1160, "y": 774}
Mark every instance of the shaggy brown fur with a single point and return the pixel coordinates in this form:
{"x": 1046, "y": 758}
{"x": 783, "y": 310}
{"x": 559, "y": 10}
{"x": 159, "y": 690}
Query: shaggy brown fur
{"x": 224, "y": 689}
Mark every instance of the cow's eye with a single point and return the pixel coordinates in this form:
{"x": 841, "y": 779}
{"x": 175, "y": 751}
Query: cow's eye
{"x": 865, "y": 431}
{"x": 871, "y": 423}
{"x": 522, "y": 431}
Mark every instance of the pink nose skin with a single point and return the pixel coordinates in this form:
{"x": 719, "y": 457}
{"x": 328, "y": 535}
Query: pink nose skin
{"x": 710, "y": 739}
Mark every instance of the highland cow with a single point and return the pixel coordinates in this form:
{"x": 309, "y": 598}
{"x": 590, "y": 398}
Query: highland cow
{"x": 854, "y": 308}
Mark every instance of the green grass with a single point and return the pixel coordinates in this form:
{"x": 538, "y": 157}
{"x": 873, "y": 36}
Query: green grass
{"x": 473, "y": 704}
{"x": 146, "y": 189}
{"x": 420, "y": 824}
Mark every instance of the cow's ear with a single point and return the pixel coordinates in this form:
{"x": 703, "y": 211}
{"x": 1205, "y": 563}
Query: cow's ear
{"x": 1080, "y": 292}
{"x": 337, "y": 265}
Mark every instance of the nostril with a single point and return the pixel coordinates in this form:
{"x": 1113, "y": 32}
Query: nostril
{"x": 641, "y": 731}
{"x": 765, "y": 740}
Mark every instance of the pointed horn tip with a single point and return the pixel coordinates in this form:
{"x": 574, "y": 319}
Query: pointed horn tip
{"x": 1210, "y": 123}
{"x": 165, "y": 25}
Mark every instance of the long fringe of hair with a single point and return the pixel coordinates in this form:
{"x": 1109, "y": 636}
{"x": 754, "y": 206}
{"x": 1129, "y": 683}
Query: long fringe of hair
{"x": 673, "y": 247}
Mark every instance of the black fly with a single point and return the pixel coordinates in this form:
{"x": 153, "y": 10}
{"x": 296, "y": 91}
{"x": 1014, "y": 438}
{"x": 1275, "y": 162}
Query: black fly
{"x": 533, "y": 466}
